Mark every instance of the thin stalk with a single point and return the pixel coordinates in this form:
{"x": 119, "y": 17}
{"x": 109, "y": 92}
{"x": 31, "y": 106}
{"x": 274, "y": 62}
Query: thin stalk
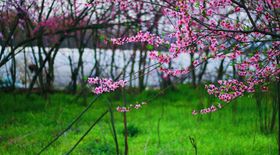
{"x": 125, "y": 125}
{"x": 113, "y": 127}
{"x": 86, "y": 133}
{"x": 69, "y": 126}
{"x": 278, "y": 100}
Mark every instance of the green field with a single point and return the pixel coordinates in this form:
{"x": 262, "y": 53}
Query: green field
{"x": 163, "y": 126}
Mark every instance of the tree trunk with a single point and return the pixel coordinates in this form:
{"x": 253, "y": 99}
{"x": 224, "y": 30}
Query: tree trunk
{"x": 193, "y": 70}
{"x": 132, "y": 66}
{"x": 112, "y": 63}
{"x": 203, "y": 69}
{"x": 13, "y": 70}
{"x": 141, "y": 73}
{"x": 221, "y": 71}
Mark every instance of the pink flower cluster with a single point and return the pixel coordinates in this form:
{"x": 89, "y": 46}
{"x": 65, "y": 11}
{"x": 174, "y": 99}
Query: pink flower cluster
{"x": 123, "y": 4}
{"x": 131, "y": 106}
{"x": 162, "y": 58}
{"x": 140, "y": 37}
{"x": 184, "y": 71}
{"x": 105, "y": 85}
{"x": 207, "y": 110}
{"x": 208, "y": 26}
{"x": 228, "y": 90}
{"x": 50, "y": 23}
{"x": 174, "y": 72}
{"x": 265, "y": 68}
{"x": 257, "y": 70}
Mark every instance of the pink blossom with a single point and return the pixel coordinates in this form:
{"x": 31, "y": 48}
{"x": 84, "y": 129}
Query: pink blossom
{"x": 237, "y": 9}
{"x": 105, "y": 85}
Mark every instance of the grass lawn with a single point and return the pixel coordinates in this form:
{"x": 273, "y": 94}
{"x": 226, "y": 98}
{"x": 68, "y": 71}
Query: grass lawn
{"x": 163, "y": 126}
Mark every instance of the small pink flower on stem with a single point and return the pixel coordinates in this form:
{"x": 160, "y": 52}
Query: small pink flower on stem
{"x": 210, "y": 109}
{"x": 131, "y": 107}
{"x": 105, "y": 85}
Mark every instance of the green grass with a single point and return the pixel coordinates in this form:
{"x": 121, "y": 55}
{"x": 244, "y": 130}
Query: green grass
{"x": 27, "y": 124}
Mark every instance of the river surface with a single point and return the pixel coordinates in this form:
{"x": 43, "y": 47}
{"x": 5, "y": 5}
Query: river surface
{"x": 62, "y": 69}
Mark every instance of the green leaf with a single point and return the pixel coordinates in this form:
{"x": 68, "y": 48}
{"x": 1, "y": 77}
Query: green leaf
{"x": 102, "y": 37}
{"x": 150, "y": 47}
{"x": 204, "y": 13}
{"x": 246, "y": 28}
{"x": 167, "y": 45}
{"x": 197, "y": 4}
{"x": 177, "y": 8}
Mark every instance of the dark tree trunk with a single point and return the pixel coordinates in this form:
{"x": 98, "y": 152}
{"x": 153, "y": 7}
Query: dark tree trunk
{"x": 142, "y": 64}
{"x": 166, "y": 81}
{"x": 221, "y": 71}
{"x": 193, "y": 70}
{"x": 13, "y": 70}
{"x": 203, "y": 69}
{"x": 112, "y": 63}
{"x": 133, "y": 57}
{"x": 200, "y": 76}
{"x": 42, "y": 62}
